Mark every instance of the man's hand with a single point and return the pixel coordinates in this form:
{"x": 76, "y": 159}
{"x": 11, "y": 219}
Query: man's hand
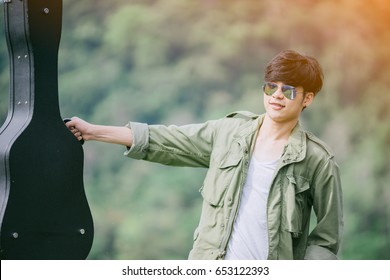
{"x": 81, "y": 126}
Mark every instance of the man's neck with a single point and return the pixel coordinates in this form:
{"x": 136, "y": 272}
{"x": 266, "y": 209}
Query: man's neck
{"x": 272, "y": 130}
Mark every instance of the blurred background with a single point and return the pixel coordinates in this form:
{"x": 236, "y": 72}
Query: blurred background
{"x": 187, "y": 61}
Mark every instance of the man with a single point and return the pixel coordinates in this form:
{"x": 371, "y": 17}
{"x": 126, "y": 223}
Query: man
{"x": 265, "y": 173}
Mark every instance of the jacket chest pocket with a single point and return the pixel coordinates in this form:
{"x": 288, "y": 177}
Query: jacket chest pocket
{"x": 295, "y": 202}
{"x": 219, "y": 176}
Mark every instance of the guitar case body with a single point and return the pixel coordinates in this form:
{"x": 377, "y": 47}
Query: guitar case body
{"x": 44, "y": 212}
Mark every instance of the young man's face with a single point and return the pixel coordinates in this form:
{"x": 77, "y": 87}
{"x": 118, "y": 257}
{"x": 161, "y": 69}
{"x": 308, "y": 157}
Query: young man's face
{"x": 282, "y": 109}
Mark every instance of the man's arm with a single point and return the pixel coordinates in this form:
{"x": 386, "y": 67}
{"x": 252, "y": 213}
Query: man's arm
{"x": 188, "y": 145}
{"x": 324, "y": 240}
{"x": 109, "y": 134}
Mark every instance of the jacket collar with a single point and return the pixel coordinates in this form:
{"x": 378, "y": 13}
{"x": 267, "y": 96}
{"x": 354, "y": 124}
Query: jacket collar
{"x": 295, "y": 150}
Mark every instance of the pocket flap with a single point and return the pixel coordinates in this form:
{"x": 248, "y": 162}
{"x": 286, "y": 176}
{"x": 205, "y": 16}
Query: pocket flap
{"x": 301, "y": 184}
{"x": 229, "y": 160}
{"x": 214, "y": 196}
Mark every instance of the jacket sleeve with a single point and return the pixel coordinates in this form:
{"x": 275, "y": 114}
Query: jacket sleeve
{"x": 324, "y": 240}
{"x": 188, "y": 145}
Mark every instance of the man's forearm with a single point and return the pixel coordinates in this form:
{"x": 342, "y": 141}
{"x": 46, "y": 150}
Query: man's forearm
{"x": 112, "y": 134}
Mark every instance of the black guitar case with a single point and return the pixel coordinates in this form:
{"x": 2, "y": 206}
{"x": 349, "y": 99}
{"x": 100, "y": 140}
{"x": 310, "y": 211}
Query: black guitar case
{"x": 44, "y": 213}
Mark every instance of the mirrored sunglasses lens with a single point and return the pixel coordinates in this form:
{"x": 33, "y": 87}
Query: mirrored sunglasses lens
{"x": 269, "y": 88}
{"x": 288, "y": 92}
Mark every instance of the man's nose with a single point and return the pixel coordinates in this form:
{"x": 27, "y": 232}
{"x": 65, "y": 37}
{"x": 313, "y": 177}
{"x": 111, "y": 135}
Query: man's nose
{"x": 278, "y": 94}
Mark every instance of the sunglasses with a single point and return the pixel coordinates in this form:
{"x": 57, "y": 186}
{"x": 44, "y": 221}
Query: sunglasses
{"x": 288, "y": 91}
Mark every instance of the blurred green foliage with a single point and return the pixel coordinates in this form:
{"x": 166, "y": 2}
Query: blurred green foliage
{"x": 184, "y": 61}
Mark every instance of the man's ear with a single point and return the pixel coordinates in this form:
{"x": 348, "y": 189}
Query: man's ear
{"x": 308, "y": 99}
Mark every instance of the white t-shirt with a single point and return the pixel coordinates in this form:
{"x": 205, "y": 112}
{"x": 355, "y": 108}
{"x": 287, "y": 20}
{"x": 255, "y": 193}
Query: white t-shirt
{"x": 249, "y": 239}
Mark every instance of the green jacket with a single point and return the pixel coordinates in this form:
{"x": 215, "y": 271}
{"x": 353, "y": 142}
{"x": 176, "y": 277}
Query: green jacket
{"x": 306, "y": 178}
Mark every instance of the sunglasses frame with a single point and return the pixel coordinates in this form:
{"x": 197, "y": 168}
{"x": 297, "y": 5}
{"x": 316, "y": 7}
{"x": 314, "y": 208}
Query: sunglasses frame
{"x": 285, "y": 89}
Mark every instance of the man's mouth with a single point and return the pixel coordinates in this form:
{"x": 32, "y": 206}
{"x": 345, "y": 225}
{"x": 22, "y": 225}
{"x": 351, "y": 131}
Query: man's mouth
{"x": 277, "y": 106}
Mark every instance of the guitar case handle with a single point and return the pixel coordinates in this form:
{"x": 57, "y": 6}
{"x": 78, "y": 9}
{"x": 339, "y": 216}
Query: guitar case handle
{"x": 81, "y": 141}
